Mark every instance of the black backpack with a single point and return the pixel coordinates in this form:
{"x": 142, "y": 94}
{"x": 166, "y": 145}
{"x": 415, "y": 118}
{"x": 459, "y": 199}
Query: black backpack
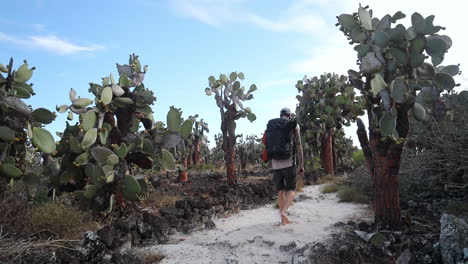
{"x": 279, "y": 134}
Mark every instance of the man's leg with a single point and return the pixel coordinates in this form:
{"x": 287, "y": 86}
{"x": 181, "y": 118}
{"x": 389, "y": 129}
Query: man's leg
{"x": 289, "y": 197}
{"x": 290, "y": 191}
{"x": 281, "y": 200}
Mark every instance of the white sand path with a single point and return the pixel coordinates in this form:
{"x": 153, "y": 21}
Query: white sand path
{"x": 255, "y": 236}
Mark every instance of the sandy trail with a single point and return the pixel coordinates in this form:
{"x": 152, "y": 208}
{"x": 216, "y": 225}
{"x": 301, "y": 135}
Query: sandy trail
{"x": 255, "y": 236}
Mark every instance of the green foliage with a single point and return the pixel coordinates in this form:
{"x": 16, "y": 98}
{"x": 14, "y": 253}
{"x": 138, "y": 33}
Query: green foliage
{"x": 394, "y": 61}
{"x": 358, "y": 156}
{"x": 20, "y": 126}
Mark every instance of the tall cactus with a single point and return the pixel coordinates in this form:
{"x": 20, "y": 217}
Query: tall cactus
{"x": 98, "y": 153}
{"x": 326, "y": 104}
{"x": 392, "y": 72}
{"x": 199, "y": 129}
{"x": 229, "y": 95}
{"x": 19, "y": 124}
{"x": 182, "y": 129}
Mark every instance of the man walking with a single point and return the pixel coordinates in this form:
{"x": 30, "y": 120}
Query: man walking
{"x": 283, "y": 144}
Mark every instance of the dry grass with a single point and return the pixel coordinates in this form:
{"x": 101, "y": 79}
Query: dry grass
{"x": 352, "y": 194}
{"x": 330, "y": 188}
{"x": 57, "y": 221}
{"x": 159, "y": 200}
{"x": 300, "y": 184}
{"x": 152, "y": 257}
{"x": 329, "y": 178}
{"x": 14, "y": 250}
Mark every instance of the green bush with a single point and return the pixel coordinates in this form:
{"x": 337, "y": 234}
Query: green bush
{"x": 358, "y": 156}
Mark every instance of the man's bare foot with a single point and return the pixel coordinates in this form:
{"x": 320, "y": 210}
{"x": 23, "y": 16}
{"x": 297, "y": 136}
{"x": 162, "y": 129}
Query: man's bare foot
{"x": 284, "y": 219}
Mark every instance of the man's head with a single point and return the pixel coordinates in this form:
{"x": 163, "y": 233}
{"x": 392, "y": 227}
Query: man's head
{"x": 285, "y": 112}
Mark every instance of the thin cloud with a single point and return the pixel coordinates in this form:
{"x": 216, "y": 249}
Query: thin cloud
{"x": 211, "y": 12}
{"x": 49, "y": 43}
{"x": 62, "y": 47}
{"x": 300, "y": 24}
{"x": 216, "y": 13}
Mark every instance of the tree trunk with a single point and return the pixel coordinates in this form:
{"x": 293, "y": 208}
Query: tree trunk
{"x": 386, "y": 159}
{"x": 327, "y": 152}
{"x": 183, "y": 176}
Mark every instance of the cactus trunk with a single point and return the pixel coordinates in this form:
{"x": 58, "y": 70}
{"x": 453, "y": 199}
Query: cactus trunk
{"x": 386, "y": 160}
{"x": 183, "y": 174}
{"x": 196, "y": 151}
{"x": 327, "y": 152}
{"x": 228, "y": 127}
{"x": 124, "y": 120}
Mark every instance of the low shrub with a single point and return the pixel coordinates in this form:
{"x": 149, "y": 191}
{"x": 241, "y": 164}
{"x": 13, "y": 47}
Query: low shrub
{"x": 330, "y": 188}
{"x": 161, "y": 200}
{"x": 352, "y": 194}
{"x": 329, "y": 178}
{"x": 58, "y": 221}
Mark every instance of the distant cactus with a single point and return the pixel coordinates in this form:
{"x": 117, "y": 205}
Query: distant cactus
{"x": 326, "y": 103}
{"x": 392, "y": 72}
{"x": 229, "y": 96}
{"x": 20, "y": 125}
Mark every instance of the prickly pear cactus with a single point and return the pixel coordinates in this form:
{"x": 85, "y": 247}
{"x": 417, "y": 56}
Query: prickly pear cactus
{"x": 230, "y": 95}
{"x": 393, "y": 72}
{"x": 104, "y": 154}
{"x": 19, "y": 124}
{"x": 392, "y": 59}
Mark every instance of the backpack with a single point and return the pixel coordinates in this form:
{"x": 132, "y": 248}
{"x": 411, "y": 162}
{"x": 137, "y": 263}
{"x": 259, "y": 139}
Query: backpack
{"x": 278, "y": 139}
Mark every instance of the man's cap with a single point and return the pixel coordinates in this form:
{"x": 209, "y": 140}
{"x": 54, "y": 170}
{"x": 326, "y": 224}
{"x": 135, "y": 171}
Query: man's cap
{"x": 285, "y": 111}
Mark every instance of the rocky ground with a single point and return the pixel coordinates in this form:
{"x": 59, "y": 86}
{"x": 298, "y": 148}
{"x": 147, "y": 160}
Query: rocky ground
{"x": 211, "y": 222}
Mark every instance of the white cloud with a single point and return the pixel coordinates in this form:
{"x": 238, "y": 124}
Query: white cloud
{"x": 50, "y": 43}
{"x": 290, "y": 23}
{"x": 62, "y": 47}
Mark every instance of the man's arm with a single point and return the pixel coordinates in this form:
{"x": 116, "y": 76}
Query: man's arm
{"x": 299, "y": 152}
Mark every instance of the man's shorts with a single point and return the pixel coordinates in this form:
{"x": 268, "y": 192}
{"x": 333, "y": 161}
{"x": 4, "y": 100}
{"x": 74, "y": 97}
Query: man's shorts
{"x": 285, "y": 179}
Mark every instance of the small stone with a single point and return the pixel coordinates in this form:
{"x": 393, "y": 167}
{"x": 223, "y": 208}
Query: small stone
{"x": 412, "y": 203}
{"x": 405, "y": 257}
{"x": 465, "y": 253}
{"x": 288, "y": 247}
{"x": 210, "y": 225}
{"x": 363, "y": 226}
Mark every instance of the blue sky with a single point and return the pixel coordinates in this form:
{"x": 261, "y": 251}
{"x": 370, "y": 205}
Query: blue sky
{"x": 275, "y": 43}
